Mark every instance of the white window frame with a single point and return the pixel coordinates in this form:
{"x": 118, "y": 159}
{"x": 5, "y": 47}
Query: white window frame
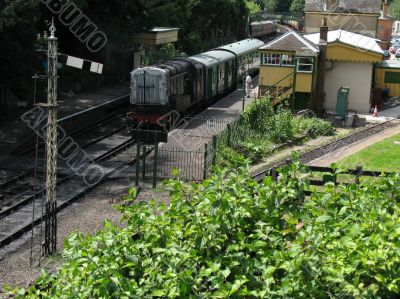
{"x": 268, "y": 58}
{"x": 288, "y": 57}
{"x": 299, "y": 63}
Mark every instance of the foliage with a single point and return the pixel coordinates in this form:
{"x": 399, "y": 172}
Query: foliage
{"x": 297, "y": 6}
{"x": 279, "y": 124}
{"x": 232, "y": 237}
{"x": 18, "y": 37}
{"x": 261, "y": 128}
{"x": 166, "y": 52}
{"x": 252, "y": 7}
{"x": 394, "y": 9}
{"x": 202, "y": 24}
{"x": 314, "y": 126}
{"x": 270, "y": 5}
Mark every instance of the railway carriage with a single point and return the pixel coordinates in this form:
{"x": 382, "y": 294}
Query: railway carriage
{"x": 247, "y": 56}
{"x": 219, "y": 72}
{"x": 184, "y": 84}
{"x": 263, "y": 28}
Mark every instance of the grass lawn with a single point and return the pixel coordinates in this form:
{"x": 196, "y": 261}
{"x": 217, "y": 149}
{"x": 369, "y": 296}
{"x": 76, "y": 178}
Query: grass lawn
{"x": 381, "y": 156}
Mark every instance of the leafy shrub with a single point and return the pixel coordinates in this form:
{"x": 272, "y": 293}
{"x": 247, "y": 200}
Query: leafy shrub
{"x": 232, "y": 237}
{"x": 261, "y": 126}
{"x": 314, "y": 126}
{"x": 227, "y": 157}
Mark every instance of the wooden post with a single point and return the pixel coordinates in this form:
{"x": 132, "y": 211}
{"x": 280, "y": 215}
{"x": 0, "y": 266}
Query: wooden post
{"x": 358, "y": 174}
{"x": 229, "y": 134}
{"x": 144, "y": 162}
{"x": 214, "y": 141}
{"x": 294, "y": 84}
{"x": 205, "y": 172}
{"x": 155, "y": 164}
{"x": 274, "y": 174}
{"x": 138, "y": 163}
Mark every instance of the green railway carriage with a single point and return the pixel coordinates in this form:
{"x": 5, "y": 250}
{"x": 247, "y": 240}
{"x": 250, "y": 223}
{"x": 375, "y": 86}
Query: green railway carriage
{"x": 220, "y": 70}
{"x": 247, "y": 56}
{"x": 184, "y": 84}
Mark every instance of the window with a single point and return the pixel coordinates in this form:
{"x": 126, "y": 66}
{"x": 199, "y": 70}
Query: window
{"x": 272, "y": 59}
{"x": 288, "y": 60}
{"x": 392, "y": 77}
{"x": 305, "y": 65}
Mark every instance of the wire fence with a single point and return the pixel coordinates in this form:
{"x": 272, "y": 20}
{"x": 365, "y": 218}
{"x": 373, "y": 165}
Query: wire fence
{"x": 194, "y": 164}
{"x": 206, "y": 127}
{"x": 191, "y": 164}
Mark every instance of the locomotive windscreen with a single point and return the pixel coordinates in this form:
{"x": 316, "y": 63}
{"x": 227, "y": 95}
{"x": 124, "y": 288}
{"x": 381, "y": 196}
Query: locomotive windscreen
{"x": 149, "y": 86}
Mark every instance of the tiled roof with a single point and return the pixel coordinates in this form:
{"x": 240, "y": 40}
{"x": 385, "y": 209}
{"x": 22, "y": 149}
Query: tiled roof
{"x": 291, "y": 41}
{"x": 343, "y": 6}
{"x": 349, "y": 38}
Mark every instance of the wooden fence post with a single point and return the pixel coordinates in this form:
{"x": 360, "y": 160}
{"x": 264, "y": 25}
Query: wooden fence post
{"x": 205, "y": 173}
{"x": 214, "y": 141}
{"x": 155, "y": 166}
{"x": 229, "y": 134}
{"x": 358, "y": 174}
{"x": 138, "y": 145}
{"x": 274, "y": 174}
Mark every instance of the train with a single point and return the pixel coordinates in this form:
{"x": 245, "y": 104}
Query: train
{"x": 263, "y": 29}
{"x": 191, "y": 83}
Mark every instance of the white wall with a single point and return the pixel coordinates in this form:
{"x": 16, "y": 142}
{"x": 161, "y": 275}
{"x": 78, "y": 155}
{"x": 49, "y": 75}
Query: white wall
{"x": 357, "y": 76}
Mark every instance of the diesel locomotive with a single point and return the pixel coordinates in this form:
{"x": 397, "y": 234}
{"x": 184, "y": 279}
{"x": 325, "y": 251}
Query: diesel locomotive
{"x": 182, "y": 84}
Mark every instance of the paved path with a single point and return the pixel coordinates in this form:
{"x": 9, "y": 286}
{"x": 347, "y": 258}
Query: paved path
{"x": 384, "y": 115}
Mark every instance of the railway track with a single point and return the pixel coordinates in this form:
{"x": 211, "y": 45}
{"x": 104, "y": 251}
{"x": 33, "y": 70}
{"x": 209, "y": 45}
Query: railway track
{"x": 17, "y": 219}
{"x": 10, "y": 190}
{"x": 332, "y": 146}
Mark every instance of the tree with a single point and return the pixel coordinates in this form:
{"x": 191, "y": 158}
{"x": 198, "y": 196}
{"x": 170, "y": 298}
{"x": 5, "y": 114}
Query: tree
{"x": 18, "y": 37}
{"x": 253, "y": 7}
{"x": 270, "y": 5}
{"x": 297, "y": 6}
{"x": 394, "y": 9}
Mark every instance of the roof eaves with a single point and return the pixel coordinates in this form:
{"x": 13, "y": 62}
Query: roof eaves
{"x": 296, "y": 35}
{"x": 354, "y": 46}
{"x": 275, "y": 40}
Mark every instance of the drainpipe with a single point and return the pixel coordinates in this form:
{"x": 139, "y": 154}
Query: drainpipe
{"x": 318, "y": 103}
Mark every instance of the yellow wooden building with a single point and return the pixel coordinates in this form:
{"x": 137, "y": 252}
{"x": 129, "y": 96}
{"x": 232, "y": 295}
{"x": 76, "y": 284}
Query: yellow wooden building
{"x": 387, "y": 77}
{"x": 288, "y": 68}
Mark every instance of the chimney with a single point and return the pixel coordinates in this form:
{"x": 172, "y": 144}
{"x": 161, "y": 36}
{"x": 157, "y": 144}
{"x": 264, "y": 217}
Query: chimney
{"x": 385, "y": 9}
{"x": 323, "y": 33}
{"x": 319, "y": 99}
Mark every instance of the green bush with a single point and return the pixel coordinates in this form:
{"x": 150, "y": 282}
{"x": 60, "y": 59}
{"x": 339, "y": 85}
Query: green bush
{"x": 232, "y": 237}
{"x": 314, "y": 126}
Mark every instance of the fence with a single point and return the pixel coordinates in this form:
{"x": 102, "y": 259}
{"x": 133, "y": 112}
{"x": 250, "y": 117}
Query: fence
{"x": 191, "y": 164}
{"x": 192, "y": 152}
{"x": 194, "y": 163}
{"x": 330, "y": 175}
{"x": 205, "y": 127}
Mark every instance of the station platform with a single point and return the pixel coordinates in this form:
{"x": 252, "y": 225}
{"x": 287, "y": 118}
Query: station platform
{"x": 76, "y": 111}
{"x": 384, "y": 115}
{"x": 189, "y": 147}
{"x": 195, "y": 132}
{"x": 89, "y": 100}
